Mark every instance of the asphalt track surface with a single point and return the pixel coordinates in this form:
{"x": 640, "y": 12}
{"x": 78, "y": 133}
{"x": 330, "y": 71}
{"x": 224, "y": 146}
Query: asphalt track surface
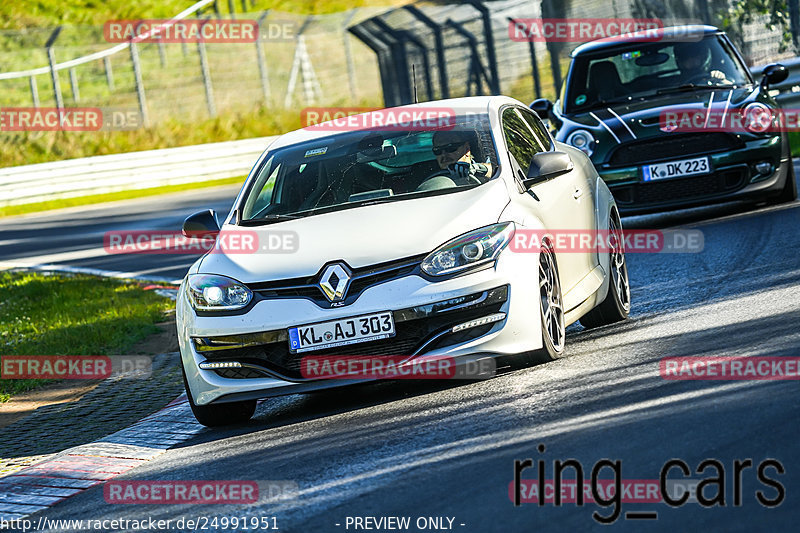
{"x": 434, "y": 449}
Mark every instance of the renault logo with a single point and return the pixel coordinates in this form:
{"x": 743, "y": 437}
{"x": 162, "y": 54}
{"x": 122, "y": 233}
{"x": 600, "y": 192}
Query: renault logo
{"x": 334, "y": 281}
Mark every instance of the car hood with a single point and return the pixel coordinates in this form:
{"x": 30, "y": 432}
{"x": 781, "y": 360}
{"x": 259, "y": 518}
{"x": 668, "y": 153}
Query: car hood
{"x": 361, "y": 236}
{"x": 642, "y": 117}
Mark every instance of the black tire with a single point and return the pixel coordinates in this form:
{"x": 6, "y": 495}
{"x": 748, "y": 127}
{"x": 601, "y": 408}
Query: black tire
{"x": 617, "y": 304}
{"x": 551, "y": 308}
{"x": 220, "y": 414}
{"x": 789, "y": 191}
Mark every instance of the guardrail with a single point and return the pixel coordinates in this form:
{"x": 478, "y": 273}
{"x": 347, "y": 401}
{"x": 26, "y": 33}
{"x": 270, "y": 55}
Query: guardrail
{"x": 129, "y": 171}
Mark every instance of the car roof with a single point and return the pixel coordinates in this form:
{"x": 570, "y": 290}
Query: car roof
{"x": 665, "y": 34}
{"x": 472, "y": 104}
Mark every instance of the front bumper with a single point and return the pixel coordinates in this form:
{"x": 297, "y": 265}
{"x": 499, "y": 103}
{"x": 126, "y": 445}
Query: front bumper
{"x": 423, "y": 311}
{"x": 734, "y": 178}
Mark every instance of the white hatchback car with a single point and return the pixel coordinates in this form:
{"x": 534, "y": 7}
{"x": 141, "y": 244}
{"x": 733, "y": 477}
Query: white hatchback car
{"x": 402, "y": 239}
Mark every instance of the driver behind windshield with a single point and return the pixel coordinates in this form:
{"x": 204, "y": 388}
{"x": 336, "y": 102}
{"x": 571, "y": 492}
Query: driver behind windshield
{"x": 453, "y": 154}
{"x": 694, "y": 62}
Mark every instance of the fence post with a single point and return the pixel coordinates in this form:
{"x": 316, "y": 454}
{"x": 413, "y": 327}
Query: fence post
{"x": 51, "y": 57}
{"x": 109, "y": 73}
{"x": 262, "y": 60}
{"x": 34, "y": 92}
{"x": 137, "y": 76}
{"x": 348, "y": 53}
{"x": 794, "y": 20}
{"x": 162, "y": 55}
{"x": 231, "y": 10}
{"x": 537, "y": 88}
{"x": 201, "y": 50}
{"x": 73, "y": 83}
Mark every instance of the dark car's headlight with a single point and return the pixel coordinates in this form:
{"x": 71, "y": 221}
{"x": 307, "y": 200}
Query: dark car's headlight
{"x": 583, "y": 140}
{"x": 757, "y": 117}
{"x": 475, "y": 248}
{"x": 211, "y": 292}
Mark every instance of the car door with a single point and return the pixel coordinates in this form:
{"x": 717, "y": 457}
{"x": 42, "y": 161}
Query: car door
{"x": 554, "y": 201}
{"x": 582, "y": 186}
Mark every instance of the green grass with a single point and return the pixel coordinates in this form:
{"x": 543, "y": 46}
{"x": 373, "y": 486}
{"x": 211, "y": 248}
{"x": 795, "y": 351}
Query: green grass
{"x": 43, "y": 314}
{"x": 36, "y": 207}
{"x": 794, "y": 142}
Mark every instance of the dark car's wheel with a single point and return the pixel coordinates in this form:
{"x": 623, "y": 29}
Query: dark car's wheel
{"x": 617, "y": 304}
{"x": 789, "y": 191}
{"x": 551, "y": 308}
{"x": 221, "y": 414}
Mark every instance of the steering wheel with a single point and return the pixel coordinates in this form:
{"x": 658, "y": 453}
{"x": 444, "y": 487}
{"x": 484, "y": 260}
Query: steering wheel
{"x": 472, "y": 180}
{"x": 703, "y": 76}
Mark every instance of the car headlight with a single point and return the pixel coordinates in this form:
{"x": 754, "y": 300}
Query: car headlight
{"x": 757, "y": 117}
{"x": 475, "y": 248}
{"x": 582, "y": 140}
{"x": 211, "y": 292}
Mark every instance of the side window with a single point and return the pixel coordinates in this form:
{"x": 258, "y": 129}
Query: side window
{"x": 521, "y": 142}
{"x": 538, "y": 129}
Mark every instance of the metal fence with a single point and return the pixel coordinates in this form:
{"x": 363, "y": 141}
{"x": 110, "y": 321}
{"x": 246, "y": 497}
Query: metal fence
{"x": 462, "y": 49}
{"x": 315, "y": 62}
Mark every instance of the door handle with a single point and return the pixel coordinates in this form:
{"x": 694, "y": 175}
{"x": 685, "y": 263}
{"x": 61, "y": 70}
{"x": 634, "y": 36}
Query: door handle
{"x": 577, "y": 194}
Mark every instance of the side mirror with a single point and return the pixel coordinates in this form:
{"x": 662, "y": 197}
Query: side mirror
{"x": 546, "y": 166}
{"x": 774, "y": 73}
{"x": 542, "y": 107}
{"x": 201, "y": 223}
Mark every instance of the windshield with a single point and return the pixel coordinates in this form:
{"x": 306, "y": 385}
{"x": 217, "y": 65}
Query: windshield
{"x": 358, "y": 168}
{"x": 646, "y": 69}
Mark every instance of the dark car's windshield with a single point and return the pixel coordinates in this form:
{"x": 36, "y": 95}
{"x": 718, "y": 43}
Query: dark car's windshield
{"x": 363, "y": 167}
{"x": 645, "y": 69}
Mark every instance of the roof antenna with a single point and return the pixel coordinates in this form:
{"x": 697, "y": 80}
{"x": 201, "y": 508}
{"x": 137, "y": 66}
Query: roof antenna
{"x": 414, "y": 76}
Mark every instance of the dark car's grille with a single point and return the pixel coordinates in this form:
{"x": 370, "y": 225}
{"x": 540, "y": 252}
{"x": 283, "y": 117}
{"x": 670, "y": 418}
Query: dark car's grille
{"x": 671, "y": 147}
{"x": 410, "y": 335}
{"x": 671, "y": 190}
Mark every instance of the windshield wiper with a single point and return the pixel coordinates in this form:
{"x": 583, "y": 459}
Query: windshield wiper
{"x": 269, "y": 219}
{"x": 694, "y": 87}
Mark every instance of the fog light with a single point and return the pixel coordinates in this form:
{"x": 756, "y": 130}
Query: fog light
{"x": 764, "y": 167}
{"x": 205, "y": 365}
{"x": 490, "y": 319}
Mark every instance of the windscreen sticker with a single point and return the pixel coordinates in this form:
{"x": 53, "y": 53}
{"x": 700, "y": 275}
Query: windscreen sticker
{"x": 631, "y": 55}
{"x": 316, "y": 151}
{"x": 580, "y": 100}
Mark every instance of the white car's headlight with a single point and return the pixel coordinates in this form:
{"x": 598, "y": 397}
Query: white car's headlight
{"x": 582, "y": 140}
{"x": 475, "y": 248}
{"x": 211, "y": 292}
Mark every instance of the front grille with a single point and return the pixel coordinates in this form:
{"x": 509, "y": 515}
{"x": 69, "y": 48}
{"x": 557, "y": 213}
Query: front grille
{"x": 691, "y": 188}
{"x": 362, "y": 279}
{"x": 671, "y": 147}
{"x": 240, "y": 373}
{"x": 412, "y": 331}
